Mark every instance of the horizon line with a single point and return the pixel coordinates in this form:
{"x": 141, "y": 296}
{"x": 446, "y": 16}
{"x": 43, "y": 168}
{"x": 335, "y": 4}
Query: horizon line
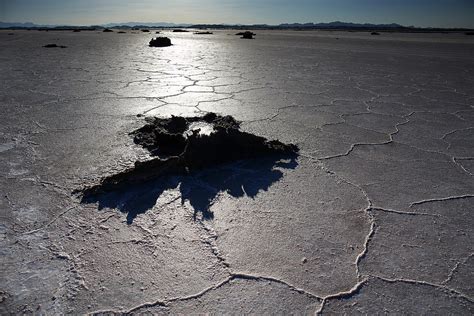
{"x": 138, "y": 23}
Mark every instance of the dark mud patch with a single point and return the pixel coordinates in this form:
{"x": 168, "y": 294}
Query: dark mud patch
{"x": 160, "y": 42}
{"x": 54, "y": 46}
{"x": 242, "y": 33}
{"x": 246, "y": 34}
{"x": 183, "y": 150}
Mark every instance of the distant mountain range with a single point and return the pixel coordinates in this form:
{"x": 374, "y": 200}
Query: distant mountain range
{"x": 296, "y": 26}
{"x": 5, "y": 25}
{"x": 339, "y": 24}
{"x": 109, "y": 25}
{"x": 147, "y": 24}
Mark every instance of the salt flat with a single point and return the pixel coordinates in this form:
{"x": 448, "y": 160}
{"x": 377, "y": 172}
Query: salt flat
{"x": 374, "y": 216}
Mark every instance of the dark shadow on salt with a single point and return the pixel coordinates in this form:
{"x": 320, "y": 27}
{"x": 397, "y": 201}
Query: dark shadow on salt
{"x": 200, "y": 189}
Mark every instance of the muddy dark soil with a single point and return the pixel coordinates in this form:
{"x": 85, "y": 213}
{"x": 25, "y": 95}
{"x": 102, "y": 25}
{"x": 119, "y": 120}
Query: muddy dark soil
{"x": 180, "y": 150}
{"x": 54, "y": 46}
{"x": 160, "y": 42}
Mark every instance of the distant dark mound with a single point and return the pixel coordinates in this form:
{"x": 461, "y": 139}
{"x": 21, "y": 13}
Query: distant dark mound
{"x": 469, "y": 33}
{"x": 203, "y": 33}
{"x": 180, "y": 31}
{"x": 160, "y": 42}
{"x": 107, "y": 31}
{"x": 146, "y": 31}
{"x": 184, "y": 145}
{"x": 243, "y": 33}
{"x": 121, "y": 32}
{"x": 375, "y": 33}
{"x": 54, "y": 46}
{"x": 76, "y": 31}
{"x": 248, "y": 35}
{"x": 157, "y": 32}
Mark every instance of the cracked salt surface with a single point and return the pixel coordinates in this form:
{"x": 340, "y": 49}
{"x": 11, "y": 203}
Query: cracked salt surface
{"x": 374, "y": 216}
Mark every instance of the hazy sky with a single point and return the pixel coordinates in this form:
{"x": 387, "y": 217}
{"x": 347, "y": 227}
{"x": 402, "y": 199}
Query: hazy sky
{"x": 438, "y": 13}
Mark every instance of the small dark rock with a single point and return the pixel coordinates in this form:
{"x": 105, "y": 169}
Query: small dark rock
{"x": 146, "y": 31}
{"x": 121, "y": 32}
{"x": 375, "y": 33}
{"x": 157, "y": 32}
{"x": 243, "y": 33}
{"x": 469, "y": 33}
{"x": 180, "y": 31}
{"x": 203, "y": 33}
{"x": 107, "y": 31}
{"x": 76, "y": 31}
{"x": 11, "y": 33}
{"x": 248, "y": 35}
{"x": 160, "y": 42}
{"x": 54, "y": 46}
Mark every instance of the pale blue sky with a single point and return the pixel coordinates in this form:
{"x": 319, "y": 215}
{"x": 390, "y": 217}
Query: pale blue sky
{"x": 437, "y": 13}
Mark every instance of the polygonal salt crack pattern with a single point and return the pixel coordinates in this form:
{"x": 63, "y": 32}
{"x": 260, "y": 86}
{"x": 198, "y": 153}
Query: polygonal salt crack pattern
{"x": 376, "y": 217}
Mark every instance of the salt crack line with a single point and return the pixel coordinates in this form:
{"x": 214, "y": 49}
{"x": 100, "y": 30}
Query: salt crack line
{"x": 345, "y": 294}
{"x": 418, "y": 282}
{"x": 50, "y": 223}
{"x": 231, "y": 277}
{"x": 455, "y": 197}
{"x": 453, "y": 270}
{"x": 404, "y": 213}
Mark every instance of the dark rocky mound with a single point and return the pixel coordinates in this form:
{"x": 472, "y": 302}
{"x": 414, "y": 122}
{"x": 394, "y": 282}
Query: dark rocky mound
{"x": 180, "y": 31}
{"x": 469, "y": 33}
{"x": 203, "y": 33}
{"x": 76, "y": 31}
{"x": 54, "y": 46}
{"x": 121, "y": 32}
{"x": 157, "y": 32}
{"x": 243, "y": 33}
{"x": 375, "y": 33}
{"x": 247, "y": 35}
{"x": 107, "y": 31}
{"x": 180, "y": 148}
{"x": 146, "y": 31}
{"x": 160, "y": 42}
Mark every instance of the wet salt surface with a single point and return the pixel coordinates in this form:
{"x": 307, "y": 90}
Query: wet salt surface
{"x": 379, "y": 203}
